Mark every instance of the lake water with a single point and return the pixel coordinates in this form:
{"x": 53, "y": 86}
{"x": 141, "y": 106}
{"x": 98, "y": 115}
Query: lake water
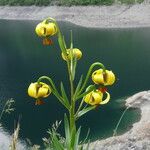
{"x": 23, "y": 59}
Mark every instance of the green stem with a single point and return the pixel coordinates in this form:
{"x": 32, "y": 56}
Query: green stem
{"x": 70, "y": 66}
{"x": 54, "y": 90}
{"x": 72, "y": 109}
{"x": 80, "y": 106}
{"x": 89, "y": 73}
{"x": 61, "y": 40}
{"x": 71, "y": 45}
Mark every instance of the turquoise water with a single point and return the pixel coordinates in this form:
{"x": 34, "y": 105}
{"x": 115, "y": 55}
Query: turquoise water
{"x": 23, "y": 59}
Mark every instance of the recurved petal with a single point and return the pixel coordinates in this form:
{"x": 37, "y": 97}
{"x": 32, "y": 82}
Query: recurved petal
{"x": 106, "y": 100}
{"x": 110, "y": 77}
{"x": 97, "y": 98}
{"x": 40, "y": 30}
{"x": 32, "y": 90}
{"x": 43, "y": 92}
{"x": 88, "y": 97}
{"x": 97, "y": 77}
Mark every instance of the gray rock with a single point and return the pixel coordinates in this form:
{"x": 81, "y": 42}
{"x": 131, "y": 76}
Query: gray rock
{"x": 138, "y": 137}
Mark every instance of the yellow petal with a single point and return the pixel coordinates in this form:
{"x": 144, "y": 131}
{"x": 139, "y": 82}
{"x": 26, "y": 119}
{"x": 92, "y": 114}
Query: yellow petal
{"x": 110, "y": 78}
{"x": 42, "y": 92}
{"x": 77, "y": 53}
{"x": 93, "y": 98}
{"x": 97, "y": 76}
{"x": 32, "y": 90}
{"x": 50, "y": 29}
{"x": 96, "y": 98}
{"x": 106, "y": 100}
{"x": 88, "y": 97}
{"x": 39, "y": 29}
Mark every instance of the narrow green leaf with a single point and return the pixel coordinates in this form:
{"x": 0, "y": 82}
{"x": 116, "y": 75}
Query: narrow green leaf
{"x": 77, "y": 136}
{"x": 61, "y": 43}
{"x": 64, "y": 95}
{"x": 64, "y": 42}
{"x": 87, "y": 135}
{"x": 67, "y": 131}
{"x": 78, "y": 86}
{"x": 84, "y": 111}
{"x": 61, "y": 100}
{"x": 74, "y": 67}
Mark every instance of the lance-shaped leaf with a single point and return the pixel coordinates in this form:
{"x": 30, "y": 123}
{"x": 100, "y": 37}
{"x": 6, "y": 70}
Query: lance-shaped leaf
{"x": 74, "y": 67}
{"x": 78, "y": 86}
{"x": 76, "y": 141}
{"x": 64, "y": 95}
{"x": 85, "y": 110}
{"x": 87, "y": 135}
{"x": 67, "y": 132}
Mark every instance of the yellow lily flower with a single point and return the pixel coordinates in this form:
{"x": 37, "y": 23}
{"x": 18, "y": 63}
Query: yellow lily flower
{"x": 40, "y": 90}
{"x": 76, "y": 53}
{"x": 104, "y": 78}
{"x": 46, "y": 29}
{"x": 96, "y": 98}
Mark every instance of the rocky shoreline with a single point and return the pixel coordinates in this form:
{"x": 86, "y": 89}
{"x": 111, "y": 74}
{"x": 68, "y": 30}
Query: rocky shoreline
{"x": 138, "y": 137}
{"x": 115, "y": 16}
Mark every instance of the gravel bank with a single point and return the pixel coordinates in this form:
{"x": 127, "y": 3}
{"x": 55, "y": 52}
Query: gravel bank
{"x": 116, "y": 16}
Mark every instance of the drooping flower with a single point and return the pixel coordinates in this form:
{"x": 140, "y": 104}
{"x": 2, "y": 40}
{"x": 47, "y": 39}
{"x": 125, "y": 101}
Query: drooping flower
{"x": 45, "y": 29}
{"x": 38, "y": 91}
{"x": 96, "y": 98}
{"x": 76, "y": 53}
{"x": 103, "y": 77}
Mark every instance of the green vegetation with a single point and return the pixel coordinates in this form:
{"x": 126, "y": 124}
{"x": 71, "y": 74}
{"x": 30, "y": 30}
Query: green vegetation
{"x": 25, "y": 2}
{"x": 131, "y": 1}
{"x": 87, "y": 2}
{"x": 65, "y": 2}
